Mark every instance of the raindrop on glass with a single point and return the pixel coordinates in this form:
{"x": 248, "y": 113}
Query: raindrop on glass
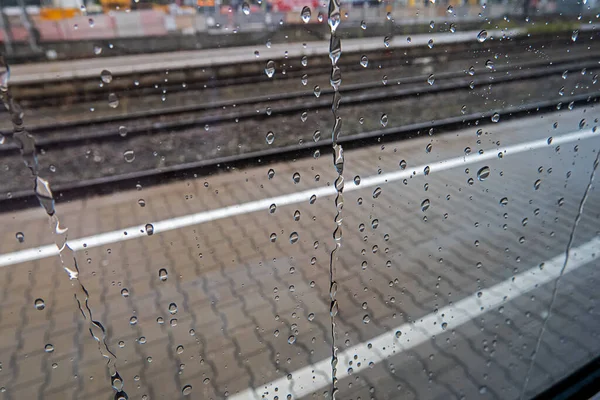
{"x": 270, "y": 68}
{"x": 364, "y": 61}
{"x": 483, "y": 173}
{"x": 105, "y": 75}
{"x": 187, "y": 390}
{"x": 376, "y": 192}
{"x": 162, "y": 274}
{"x": 293, "y": 237}
{"x": 384, "y": 120}
{"x": 113, "y": 100}
{"x": 481, "y": 36}
{"x": 305, "y": 14}
{"x": 39, "y": 304}
{"x": 270, "y": 137}
{"x": 129, "y": 156}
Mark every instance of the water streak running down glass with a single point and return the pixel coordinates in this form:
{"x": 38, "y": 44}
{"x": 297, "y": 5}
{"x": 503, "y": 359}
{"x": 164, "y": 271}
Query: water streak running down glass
{"x": 26, "y": 144}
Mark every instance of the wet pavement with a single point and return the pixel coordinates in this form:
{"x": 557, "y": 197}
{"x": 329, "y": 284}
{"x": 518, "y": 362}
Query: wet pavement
{"x": 245, "y": 302}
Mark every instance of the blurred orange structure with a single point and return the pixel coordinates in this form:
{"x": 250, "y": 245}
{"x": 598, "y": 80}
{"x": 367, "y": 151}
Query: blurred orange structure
{"x": 55, "y": 14}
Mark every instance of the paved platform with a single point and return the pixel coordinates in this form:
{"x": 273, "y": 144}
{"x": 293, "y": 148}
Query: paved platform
{"x": 242, "y": 298}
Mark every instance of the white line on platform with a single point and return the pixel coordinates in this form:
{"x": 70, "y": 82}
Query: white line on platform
{"x": 138, "y": 231}
{"x": 317, "y": 376}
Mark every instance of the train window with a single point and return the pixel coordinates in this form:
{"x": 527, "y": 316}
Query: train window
{"x": 292, "y": 199}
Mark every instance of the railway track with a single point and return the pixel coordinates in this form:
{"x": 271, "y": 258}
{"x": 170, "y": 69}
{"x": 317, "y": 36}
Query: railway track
{"x": 153, "y": 122}
{"x": 136, "y": 85}
{"x": 539, "y": 76}
{"x": 105, "y": 185}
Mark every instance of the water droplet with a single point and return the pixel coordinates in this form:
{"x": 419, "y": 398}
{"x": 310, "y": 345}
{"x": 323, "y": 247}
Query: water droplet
{"x": 179, "y": 349}
{"x": 483, "y": 173}
{"x": 536, "y": 184}
{"x": 317, "y": 91}
{"x": 187, "y": 390}
{"x": 481, "y": 36}
{"x": 271, "y": 173}
{"x": 206, "y": 381}
{"x": 125, "y": 292}
{"x": 574, "y": 35}
{"x": 97, "y": 50}
{"x": 173, "y": 308}
{"x": 270, "y": 68}
{"x": 245, "y": 8}
{"x": 489, "y": 64}
{"x": 425, "y": 205}
{"x": 430, "y": 43}
{"x": 304, "y": 79}
{"x": 366, "y": 319}
{"x": 129, "y": 156}
{"x": 428, "y": 148}
{"x": 357, "y": 180}
{"x": 105, "y": 75}
{"x": 133, "y": 320}
{"x": 293, "y": 237}
{"x": 113, "y": 100}
{"x": 291, "y": 339}
{"x": 317, "y": 136}
{"x": 503, "y": 201}
{"x": 272, "y": 208}
{"x": 122, "y": 131}
{"x": 386, "y": 41}
{"x": 116, "y": 381}
{"x": 270, "y": 137}
{"x": 426, "y": 170}
{"x": 384, "y": 120}
{"x": 333, "y": 309}
{"x": 402, "y": 164}
{"x": 582, "y": 124}
{"x": 296, "y": 177}
{"x": 452, "y": 27}
{"x": 149, "y": 229}
{"x": 364, "y": 61}
{"x": 363, "y": 25}
{"x": 375, "y": 223}
{"x": 304, "y": 61}
{"x": 163, "y": 274}
{"x": 495, "y": 117}
{"x": 305, "y": 14}
{"x": 431, "y": 79}
{"x": 39, "y": 304}
{"x": 313, "y": 199}
{"x": 297, "y": 215}
{"x": 376, "y": 192}
{"x": 20, "y": 237}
